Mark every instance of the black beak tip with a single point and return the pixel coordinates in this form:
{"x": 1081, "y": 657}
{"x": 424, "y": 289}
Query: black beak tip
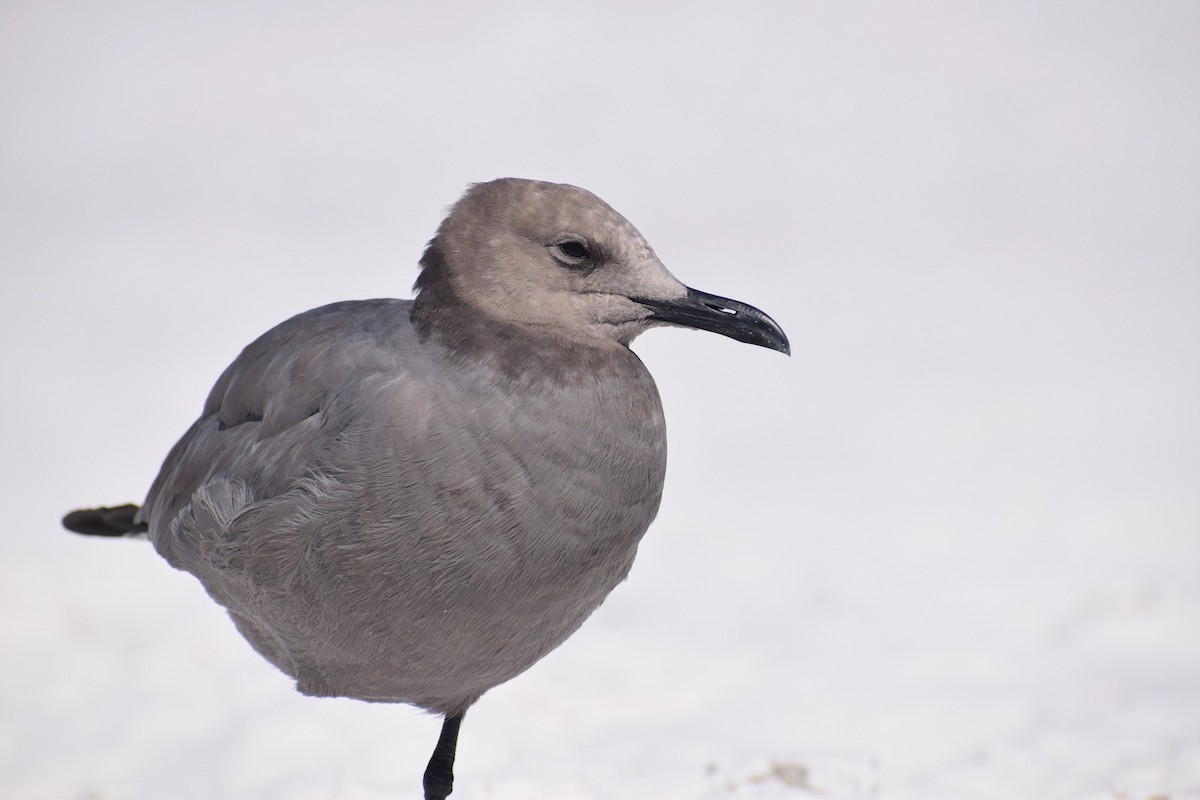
{"x": 731, "y": 318}
{"x": 742, "y": 322}
{"x": 772, "y": 339}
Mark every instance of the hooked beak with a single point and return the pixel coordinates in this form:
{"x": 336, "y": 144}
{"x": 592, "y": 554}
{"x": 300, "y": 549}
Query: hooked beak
{"x": 708, "y": 312}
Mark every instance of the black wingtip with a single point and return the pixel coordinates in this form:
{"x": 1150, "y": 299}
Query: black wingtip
{"x": 116, "y": 521}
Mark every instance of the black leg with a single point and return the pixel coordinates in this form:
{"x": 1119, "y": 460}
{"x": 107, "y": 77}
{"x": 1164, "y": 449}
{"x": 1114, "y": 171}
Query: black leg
{"x": 439, "y": 775}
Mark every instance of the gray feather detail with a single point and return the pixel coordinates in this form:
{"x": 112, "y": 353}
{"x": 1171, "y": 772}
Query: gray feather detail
{"x": 363, "y": 531}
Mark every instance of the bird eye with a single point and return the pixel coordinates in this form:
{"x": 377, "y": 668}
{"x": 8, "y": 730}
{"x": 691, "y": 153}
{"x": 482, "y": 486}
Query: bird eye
{"x": 573, "y": 249}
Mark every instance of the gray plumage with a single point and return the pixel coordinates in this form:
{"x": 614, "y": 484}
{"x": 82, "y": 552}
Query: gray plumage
{"x": 414, "y": 501}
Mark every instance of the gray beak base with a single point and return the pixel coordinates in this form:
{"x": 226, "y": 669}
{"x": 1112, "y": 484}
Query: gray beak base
{"x": 708, "y": 312}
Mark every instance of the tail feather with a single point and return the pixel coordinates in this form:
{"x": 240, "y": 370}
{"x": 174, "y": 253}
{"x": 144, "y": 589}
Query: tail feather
{"x": 116, "y": 521}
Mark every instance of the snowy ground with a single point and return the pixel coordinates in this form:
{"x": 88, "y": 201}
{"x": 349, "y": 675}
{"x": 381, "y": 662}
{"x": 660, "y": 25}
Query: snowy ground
{"x": 951, "y": 549}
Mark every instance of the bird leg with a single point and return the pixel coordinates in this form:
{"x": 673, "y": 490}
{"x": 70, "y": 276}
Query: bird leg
{"x": 439, "y": 775}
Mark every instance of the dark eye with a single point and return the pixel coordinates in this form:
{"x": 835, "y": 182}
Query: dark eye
{"x": 576, "y": 251}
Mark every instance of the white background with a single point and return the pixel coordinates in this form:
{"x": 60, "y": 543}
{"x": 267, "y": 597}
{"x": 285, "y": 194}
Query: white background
{"x": 950, "y": 549}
